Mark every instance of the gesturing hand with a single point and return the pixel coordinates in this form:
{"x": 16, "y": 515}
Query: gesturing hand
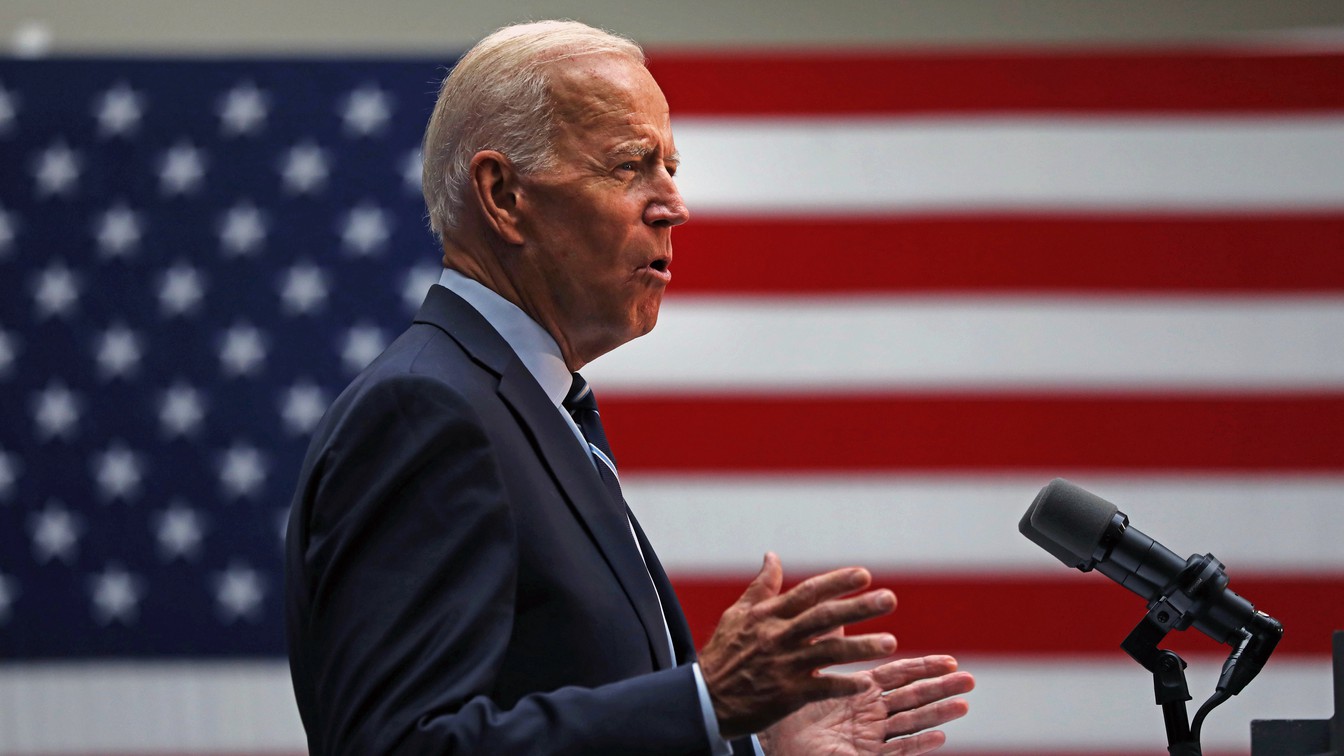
{"x": 762, "y": 662}
{"x": 905, "y": 699}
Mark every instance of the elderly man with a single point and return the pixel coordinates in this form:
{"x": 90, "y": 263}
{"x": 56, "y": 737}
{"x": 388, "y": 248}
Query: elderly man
{"x": 463, "y": 574}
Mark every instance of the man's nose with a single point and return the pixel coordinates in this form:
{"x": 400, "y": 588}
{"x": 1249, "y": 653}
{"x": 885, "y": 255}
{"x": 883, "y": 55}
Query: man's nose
{"x": 667, "y": 208}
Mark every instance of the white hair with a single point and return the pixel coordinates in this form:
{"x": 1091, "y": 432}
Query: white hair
{"x": 498, "y": 97}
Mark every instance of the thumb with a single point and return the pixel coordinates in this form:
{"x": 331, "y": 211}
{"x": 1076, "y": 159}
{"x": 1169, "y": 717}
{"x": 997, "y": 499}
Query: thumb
{"x": 767, "y": 582}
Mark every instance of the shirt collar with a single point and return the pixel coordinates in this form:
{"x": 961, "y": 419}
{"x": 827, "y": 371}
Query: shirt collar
{"x": 534, "y": 346}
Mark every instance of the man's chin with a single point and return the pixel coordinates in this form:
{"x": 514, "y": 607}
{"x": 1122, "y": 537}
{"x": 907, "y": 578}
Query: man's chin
{"x": 647, "y": 319}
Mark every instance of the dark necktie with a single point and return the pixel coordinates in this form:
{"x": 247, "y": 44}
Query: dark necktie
{"x": 582, "y": 406}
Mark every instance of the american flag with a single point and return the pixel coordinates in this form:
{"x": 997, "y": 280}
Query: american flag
{"x": 916, "y": 287}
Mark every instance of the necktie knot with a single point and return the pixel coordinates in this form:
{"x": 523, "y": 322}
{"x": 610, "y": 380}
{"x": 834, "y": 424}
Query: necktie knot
{"x": 580, "y": 396}
{"x": 582, "y": 406}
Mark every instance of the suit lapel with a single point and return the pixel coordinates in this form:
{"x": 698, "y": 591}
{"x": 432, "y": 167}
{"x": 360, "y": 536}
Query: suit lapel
{"x": 676, "y": 619}
{"x": 571, "y": 467}
{"x": 605, "y": 520}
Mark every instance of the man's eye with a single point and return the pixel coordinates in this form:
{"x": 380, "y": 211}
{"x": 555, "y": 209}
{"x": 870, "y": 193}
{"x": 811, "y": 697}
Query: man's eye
{"x": 627, "y": 166}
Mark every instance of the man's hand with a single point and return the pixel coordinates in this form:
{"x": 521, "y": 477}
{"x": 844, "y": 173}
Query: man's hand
{"x": 762, "y": 662}
{"x": 892, "y": 716}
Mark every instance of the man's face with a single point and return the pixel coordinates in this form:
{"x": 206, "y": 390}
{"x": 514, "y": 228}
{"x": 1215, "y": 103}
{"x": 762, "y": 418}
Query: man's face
{"x": 598, "y": 228}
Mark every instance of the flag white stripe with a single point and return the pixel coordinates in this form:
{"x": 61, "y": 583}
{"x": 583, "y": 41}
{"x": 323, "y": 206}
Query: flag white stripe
{"x": 917, "y": 523}
{"x": 819, "y": 166}
{"x": 854, "y": 343}
{"x": 128, "y": 707}
{"x": 235, "y": 707}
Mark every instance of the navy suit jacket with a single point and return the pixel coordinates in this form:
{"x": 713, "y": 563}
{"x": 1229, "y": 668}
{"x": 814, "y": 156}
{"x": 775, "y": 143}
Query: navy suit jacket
{"x": 457, "y": 579}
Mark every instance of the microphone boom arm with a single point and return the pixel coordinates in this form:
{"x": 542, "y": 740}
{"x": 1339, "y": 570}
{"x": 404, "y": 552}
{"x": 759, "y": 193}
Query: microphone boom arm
{"x": 1086, "y": 532}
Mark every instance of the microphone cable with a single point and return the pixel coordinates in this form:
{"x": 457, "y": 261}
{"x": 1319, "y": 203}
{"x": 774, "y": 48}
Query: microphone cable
{"x": 1217, "y": 699}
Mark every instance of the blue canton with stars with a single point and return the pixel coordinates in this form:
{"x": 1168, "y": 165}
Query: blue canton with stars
{"x": 195, "y": 258}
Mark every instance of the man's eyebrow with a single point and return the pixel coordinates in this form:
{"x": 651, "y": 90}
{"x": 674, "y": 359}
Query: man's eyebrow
{"x": 641, "y": 150}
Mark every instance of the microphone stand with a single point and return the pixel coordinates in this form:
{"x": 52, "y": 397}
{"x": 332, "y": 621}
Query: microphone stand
{"x": 1169, "y": 686}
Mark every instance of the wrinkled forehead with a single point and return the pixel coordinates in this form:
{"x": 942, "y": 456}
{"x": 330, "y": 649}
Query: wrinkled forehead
{"x": 591, "y": 87}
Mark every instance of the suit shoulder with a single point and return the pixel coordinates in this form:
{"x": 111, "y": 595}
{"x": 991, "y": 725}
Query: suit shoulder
{"x": 423, "y": 365}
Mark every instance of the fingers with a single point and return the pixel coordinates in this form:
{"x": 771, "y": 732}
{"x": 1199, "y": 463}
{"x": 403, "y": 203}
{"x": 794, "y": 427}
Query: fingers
{"x": 920, "y": 696}
{"x": 762, "y": 661}
{"x": 930, "y": 715}
{"x": 825, "y": 686}
{"x": 925, "y": 742}
{"x": 905, "y": 671}
{"x": 834, "y": 650}
{"x": 837, "y": 613}
{"x": 818, "y": 589}
{"x": 767, "y": 582}
{"x": 923, "y": 692}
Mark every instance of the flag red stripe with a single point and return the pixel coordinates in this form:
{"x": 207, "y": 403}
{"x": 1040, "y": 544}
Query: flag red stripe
{"x": 1059, "y": 612}
{"x": 1011, "y": 253}
{"x": 963, "y": 432}
{"x": 983, "y": 83}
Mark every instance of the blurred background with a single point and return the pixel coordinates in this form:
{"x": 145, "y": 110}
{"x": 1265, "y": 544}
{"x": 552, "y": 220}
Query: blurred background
{"x": 941, "y": 252}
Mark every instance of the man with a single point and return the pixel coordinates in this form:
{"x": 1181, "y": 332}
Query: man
{"x": 463, "y": 575}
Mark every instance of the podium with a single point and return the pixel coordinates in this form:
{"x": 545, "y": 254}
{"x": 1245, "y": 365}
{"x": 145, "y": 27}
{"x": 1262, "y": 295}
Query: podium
{"x": 1306, "y": 737}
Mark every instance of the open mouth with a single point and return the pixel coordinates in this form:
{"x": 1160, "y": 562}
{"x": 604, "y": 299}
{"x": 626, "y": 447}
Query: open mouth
{"x": 660, "y": 264}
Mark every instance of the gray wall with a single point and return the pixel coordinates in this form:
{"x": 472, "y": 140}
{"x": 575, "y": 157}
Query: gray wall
{"x": 426, "y": 26}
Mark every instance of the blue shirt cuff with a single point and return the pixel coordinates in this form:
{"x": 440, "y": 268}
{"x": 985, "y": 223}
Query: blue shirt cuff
{"x": 717, "y": 745}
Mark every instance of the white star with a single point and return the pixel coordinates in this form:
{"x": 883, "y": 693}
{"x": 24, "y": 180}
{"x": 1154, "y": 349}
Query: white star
{"x": 180, "y": 289}
{"x": 9, "y": 107}
{"x": 302, "y": 406}
{"x": 366, "y": 110}
{"x": 179, "y": 530}
{"x": 9, "y": 346}
{"x": 118, "y": 352}
{"x": 242, "y": 229}
{"x": 242, "y": 110}
{"x": 56, "y": 411}
{"x": 118, "y": 111}
{"x": 243, "y": 350}
{"x": 304, "y": 168}
{"x": 118, "y": 232}
{"x": 242, "y": 471}
{"x": 181, "y": 410}
{"x": 117, "y": 472}
{"x": 55, "y": 533}
{"x": 116, "y": 595}
{"x": 303, "y": 288}
{"x": 56, "y": 170}
{"x": 416, "y": 285}
{"x": 55, "y": 290}
{"x": 181, "y": 169}
{"x": 362, "y": 344}
{"x": 31, "y": 39}
{"x": 8, "y": 226}
{"x": 9, "y": 593}
{"x": 365, "y": 230}
{"x": 10, "y": 468}
{"x": 413, "y": 171}
{"x": 238, "y": 593}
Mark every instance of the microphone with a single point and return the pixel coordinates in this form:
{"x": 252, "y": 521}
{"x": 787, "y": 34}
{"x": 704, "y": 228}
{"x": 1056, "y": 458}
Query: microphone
{"x": 1086, "y": 532}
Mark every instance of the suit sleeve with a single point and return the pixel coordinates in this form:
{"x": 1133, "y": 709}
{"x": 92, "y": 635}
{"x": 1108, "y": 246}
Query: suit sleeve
{"x": 406, "y": 559}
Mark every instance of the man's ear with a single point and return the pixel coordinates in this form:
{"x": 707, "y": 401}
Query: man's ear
{"x": 494, "y": 188}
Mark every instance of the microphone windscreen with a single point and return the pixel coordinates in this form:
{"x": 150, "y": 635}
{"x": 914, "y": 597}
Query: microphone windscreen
{"x": 1072, "y": 518}
{"x": 1025, "y": 527}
